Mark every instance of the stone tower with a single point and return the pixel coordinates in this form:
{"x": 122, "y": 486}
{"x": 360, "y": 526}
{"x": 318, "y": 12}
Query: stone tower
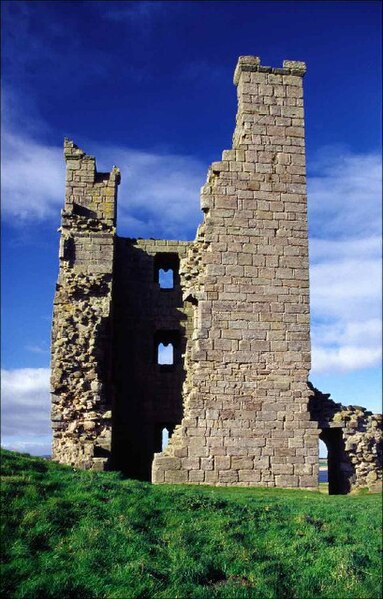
{"x": 246, "y": 418}
{"x": 81, "y": 385}
{"x": 234, "y": 397}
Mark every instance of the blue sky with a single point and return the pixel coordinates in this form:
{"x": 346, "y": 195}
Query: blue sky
{"x": 148, "y": 86}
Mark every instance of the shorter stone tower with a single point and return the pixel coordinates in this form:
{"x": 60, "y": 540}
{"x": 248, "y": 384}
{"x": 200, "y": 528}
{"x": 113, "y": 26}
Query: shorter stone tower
{"x": 235, "y": 397}
{"x": 82, "y": 388}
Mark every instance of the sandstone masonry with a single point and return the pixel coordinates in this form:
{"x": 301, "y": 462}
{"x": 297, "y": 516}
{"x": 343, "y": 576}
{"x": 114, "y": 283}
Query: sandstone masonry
{"x": 236, "y": 398}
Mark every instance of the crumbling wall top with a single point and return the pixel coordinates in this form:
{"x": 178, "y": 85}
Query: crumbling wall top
{"x": 90, "y": 196}
{"x": 253, "y": 64}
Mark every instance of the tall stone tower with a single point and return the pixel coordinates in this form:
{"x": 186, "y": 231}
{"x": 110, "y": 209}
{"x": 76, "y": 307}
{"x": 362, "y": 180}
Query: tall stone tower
{"x": 246, "y": 418}
{"x": 234, "y": 398}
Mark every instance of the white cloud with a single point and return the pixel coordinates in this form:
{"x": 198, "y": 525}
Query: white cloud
{"x": 333, "y": 250}
{"x": 346, "y": 288}
{"x": 350, "y": 332}
{"x": 37, "y": 349}
{"x": 25, "y": 408}
{"x": 345, "y": 358}
{"x": 159, "y": 193}
{"x": 40, "y": 446}
{"x": 32, "y": 177}
{"x": 158, "y": 196}
{"x": 345, "y": 257}
{"x": 344, "y": 194}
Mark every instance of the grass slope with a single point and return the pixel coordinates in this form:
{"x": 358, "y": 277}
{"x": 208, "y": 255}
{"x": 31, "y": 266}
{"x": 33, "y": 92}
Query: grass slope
{"x": 82, "y": 534}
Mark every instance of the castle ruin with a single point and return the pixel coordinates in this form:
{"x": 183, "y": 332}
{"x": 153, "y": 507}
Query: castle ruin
{"x": 234, "y": 395}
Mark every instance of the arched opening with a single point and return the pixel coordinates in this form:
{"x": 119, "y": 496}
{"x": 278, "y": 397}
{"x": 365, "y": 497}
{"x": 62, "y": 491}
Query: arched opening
{"x": 162, "y": 434}
{"x": 339, "y": 468}
{"x": 167, "y": 350}
{"x": 165, "y": 354}
{"x": 166, "y": 267}
{"x": 165, "y": 438}
{"x": 323, "y": 467}
{"x": 166, "y": 278}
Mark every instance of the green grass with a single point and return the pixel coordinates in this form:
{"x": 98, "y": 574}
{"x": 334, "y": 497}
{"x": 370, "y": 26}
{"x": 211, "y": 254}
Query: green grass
{"x": 92, "y": 535}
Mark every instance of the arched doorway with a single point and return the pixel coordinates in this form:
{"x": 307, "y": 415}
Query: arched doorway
{"x": 340, "y": 469}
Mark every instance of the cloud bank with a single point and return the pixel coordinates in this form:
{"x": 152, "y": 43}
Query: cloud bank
{"x": 25, "y": 410}
{"x": 345, "y": 256}
{"x": 159, "y": 197}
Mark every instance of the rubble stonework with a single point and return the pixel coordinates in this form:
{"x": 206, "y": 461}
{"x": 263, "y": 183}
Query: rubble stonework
{"x": 81, "y": 334}
{"x": 353, "y": 436}
{"x": 236, "y": 400}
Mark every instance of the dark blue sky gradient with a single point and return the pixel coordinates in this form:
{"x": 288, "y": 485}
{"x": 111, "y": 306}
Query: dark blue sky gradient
{"x": 161, "y": 78}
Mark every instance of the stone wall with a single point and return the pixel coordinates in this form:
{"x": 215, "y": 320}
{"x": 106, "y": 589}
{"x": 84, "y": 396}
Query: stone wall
{"x": 246, "y": 420}
{"x": 353, "y": 436}
{"x": 81, "y": 334}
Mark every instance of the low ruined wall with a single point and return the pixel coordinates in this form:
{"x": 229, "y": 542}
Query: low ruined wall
{"x": 355, "y": 450}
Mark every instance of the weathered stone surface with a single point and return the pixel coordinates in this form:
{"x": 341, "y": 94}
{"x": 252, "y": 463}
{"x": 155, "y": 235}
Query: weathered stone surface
{"x": 353, "y": 436}
{"x": 249, "y": 289}
{"x": 81, "y": 333}
{"x": 235, "y": 401}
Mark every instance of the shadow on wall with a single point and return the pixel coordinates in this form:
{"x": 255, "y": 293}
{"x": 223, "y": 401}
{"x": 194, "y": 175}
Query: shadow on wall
{"x": 148, "y": 392}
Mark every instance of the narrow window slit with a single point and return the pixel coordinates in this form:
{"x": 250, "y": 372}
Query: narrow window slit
{"x": 165, "y": 354}
{"x": 165, "y": 438}
{"x": 166, "y": 270}
{"x": 166, "y": 278}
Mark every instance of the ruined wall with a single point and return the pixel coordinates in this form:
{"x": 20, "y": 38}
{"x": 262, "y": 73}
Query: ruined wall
{"x": 236, "y": 400}
{"x": 246, "y": 420}
{"x": 353, "y": 436}
{"x": 81, "y": 334}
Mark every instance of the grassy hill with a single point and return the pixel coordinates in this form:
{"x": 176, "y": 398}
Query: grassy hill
{"x": 82, "y": 534}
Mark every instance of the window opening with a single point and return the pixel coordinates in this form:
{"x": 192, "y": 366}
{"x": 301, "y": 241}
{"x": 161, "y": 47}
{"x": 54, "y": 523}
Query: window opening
{"x": 166, "y": 349}
{"x": 166, "y": 267}
{"x": 166, "y": 278}
{"x": 323, "y": 467}
{"x": 165, "y": 438}
{"x": 165, "y": 354}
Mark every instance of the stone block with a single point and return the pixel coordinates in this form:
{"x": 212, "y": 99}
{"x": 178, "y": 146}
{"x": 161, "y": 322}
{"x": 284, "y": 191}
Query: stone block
{"x": 241, "y": 463}
{"x": 222, "y": 462}
{"x": 303, "y": 469}
{"x": 283, "y": 469}
{"x": 207, "y": 463}
{"x": 286, "y": 480}
{"x": 310, "y": 482}
{"x": 196, "y": 476}
{"x": 168, "y": 463}
{"x": 211, "y": 477}
{"x": 229, "y": 477}
{"x": 176, "y": 476}
{"x": 250, "y": 476}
